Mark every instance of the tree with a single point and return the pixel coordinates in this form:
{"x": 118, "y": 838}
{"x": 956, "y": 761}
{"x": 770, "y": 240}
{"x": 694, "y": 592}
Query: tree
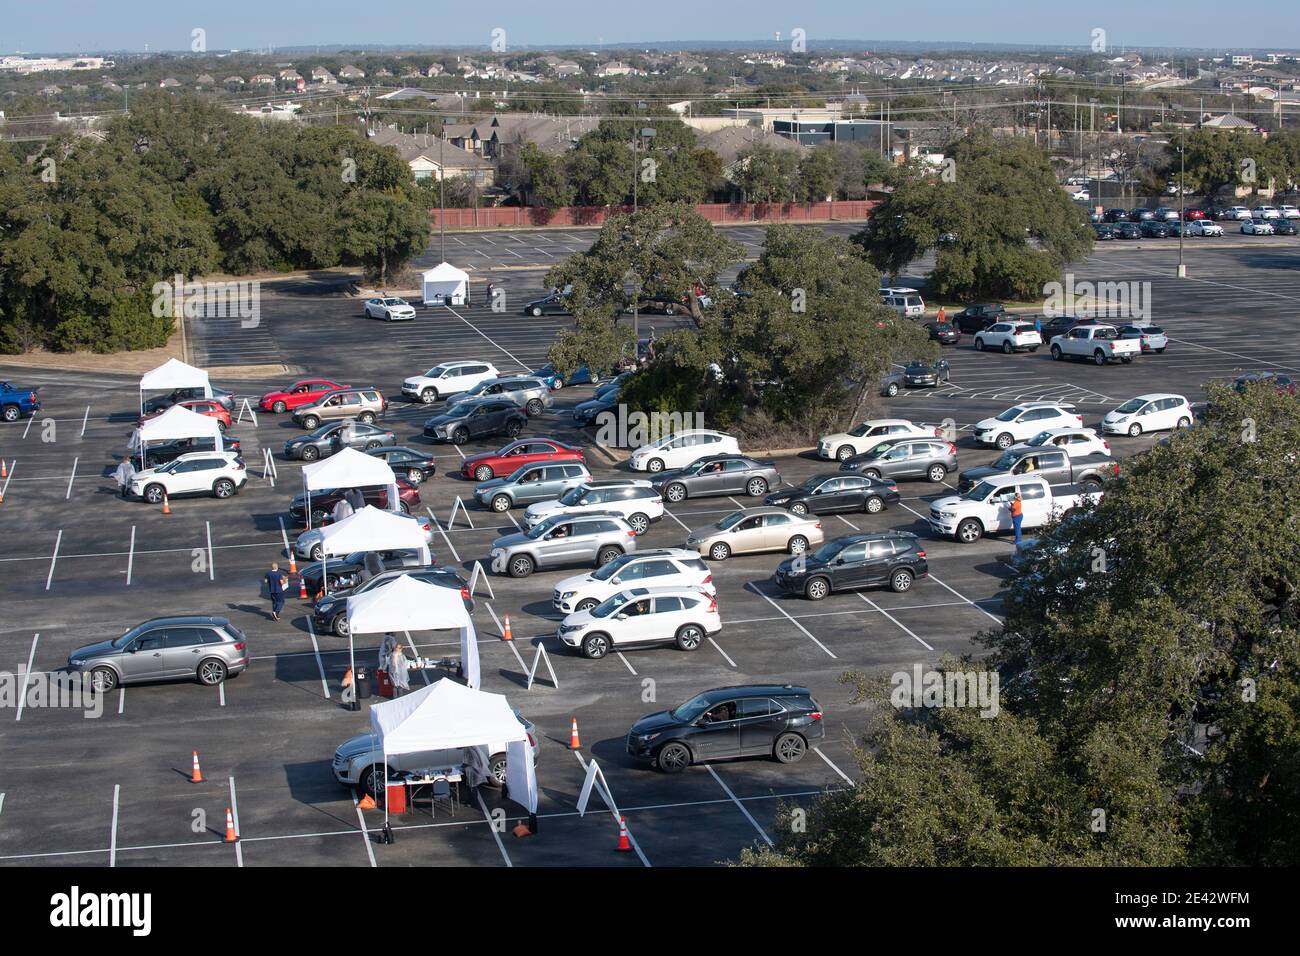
{"x": 816, "y": 175}
{"x": 381, "y": 231}
{"x": 1015, "y": 227}
{"x": 545, "y": 183}
{"x": 668, "y": 167}
{"x": 767, "y": 174}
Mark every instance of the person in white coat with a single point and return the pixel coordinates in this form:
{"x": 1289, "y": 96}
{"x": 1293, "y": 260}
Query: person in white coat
{"x": 397, "y": 671}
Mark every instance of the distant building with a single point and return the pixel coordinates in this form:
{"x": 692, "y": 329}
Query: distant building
{"x": 431, "y": 158}
{"x": 350, "y": 72}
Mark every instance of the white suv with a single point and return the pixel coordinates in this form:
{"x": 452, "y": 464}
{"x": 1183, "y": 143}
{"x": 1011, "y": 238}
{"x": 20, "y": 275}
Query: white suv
{"x": 865, "y": 435}
{"x": 1022, "y": 422}
{"x": 390, "y": 309}
{"x": 1289, "y": 212}
{"x": 661, "y": 568}
{"x": 447, "y": 379}
{"x": 637, "y": 616}
{"x": 1159, "y": 411}
{"x": 636, "y": 502}
{"x": 1009, "y": 337}
{"x": 681, "y": 448}
{"x": 217, "y": 473}
{"x": 906, "y": 302}
{"x": 1075, "y": 442}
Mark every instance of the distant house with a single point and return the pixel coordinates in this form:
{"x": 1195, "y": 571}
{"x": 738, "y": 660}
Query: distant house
{"x": 565, "y": 68}
{"x": 170, "y": 83}
{"x": 1228, "y": 121}
{"x": 262, "y": 79}
{"x": 731, "y": 143}
{"x": 431, "y": 158}
{"x": 203, "y": 79}
{"x": 239, "y": 80}
{"x": 321, "y": 75}
{"x": 614, "y": 68}
{"x": 383, "y": 71}
{"x": 435, "y": 69}
{"x": 350, "y": 72}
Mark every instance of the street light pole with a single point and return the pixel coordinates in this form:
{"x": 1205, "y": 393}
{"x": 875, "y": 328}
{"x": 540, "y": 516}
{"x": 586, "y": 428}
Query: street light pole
{"x": 645, "y": 132}
{"x": 442, "y": 208}
{"x": 1182, "y": 191}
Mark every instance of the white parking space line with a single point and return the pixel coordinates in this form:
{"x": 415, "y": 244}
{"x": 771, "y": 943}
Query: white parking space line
{"x": 675, "y": 518}
{"x": 234, "y": 813}
{"x": 130, "y": 557}
{"x": 2, "y": 803}
{"x": 486, "y": 336}
{"x": 753, "y": 587}
{"x": 12, "y": 465}
{"x": 320, "y": 664}
{"x": 22, "y": 691}
{"x": 54, "y": 559}
{"x": 112, "y": 836}
{"x": 626, "y": 663}
{"x": 438, "y": 524}
{"x": 740, "y": 806}
{"x": 284, "y": 536}
{"x": 211, "y": 557}
{"x": 827, "y": 760}
{"x": 85, "y": 418}
{"x": 907, "y": 630}
{"x": 221, "y": 693}
{"x": 613, "y": 809}
{"x": 721, "y": 651}
{"x": 72, "y": 477}
{"x": 29, "y": 425}
{"x": 492, "y": 826}
{"x": 121, "y": 700}
{"x": 992, "y": 617}
{"x": 365, "y": 834}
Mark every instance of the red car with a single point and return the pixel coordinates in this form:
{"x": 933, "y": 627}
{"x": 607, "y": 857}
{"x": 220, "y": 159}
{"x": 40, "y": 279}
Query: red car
{"x": 203, "y": 406}
{"x": 525, "y": 451}
{"x": 323, "y": 501}
{"x": 1194, "y": 213}
{"x": 306, "y": 392}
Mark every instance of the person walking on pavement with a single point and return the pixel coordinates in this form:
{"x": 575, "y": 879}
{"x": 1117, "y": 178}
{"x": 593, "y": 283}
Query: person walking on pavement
{"x": 942, "y": 317}
{"x": 276, "y": 582}
{"x": 397, "y": 671}
{"x": 1017, "y": 515}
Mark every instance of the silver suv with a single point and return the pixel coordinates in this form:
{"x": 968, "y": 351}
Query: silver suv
{"x": 531, "y": 394}
{"x": 909, "y": 456}
{"x": 540, "y": 482}
{"x": 206, "y": 649}
{"x": 363, "y": 404}
{"x": 594, "y": 538}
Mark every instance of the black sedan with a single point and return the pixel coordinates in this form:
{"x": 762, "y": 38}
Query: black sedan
{"x": 945, "y": 333}
{"x": 1127, "y": 230}
{"x": 1116, "y": 215}
{"x": 165, "y": 451}
{"x": 348, "y": 571}
{"x": 415, "y": 465}
{"x": 552, "y": 304}
{"x": 1283, "y": 227}
{"x": 833, "y": 492}
{"x": 1153, "y": 229}
{"x": 1102, "y": 231}
{"x": 476, "y": 418}
{"x": 334, "y": 437}
{"x": 978, "y": 317}
{"x": 890, "y": 558}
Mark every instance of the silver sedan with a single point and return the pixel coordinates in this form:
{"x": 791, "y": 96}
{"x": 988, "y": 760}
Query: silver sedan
{"x": 755, "y": 530}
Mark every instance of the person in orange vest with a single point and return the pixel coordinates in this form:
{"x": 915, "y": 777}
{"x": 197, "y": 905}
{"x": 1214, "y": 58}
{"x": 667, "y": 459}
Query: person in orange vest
{"x": 1017, "y": 515}
{"x": 942, "y": 318}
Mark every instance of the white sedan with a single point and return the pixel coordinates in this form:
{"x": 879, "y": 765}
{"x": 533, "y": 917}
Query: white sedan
{"x": 1257, "y": 227}
{"x": 390, "y": 309}
{"x": 1203, "y": 227}
{"x": 681, "y": 448}
{"x": 856, "y": 440}
{"x": 1009, "y": 337}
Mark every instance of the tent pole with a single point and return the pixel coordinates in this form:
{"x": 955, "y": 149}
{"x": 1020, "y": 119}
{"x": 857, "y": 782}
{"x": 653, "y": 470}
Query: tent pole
{"x": 352, "y": 665}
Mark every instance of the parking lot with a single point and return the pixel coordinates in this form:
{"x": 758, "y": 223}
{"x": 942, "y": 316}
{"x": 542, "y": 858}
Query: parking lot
{"x": 81, "y": 564}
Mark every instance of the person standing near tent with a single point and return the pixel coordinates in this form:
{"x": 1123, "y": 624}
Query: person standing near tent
{"x": 1017, "y": 515}
{"x": 276, "y": 582}
{"x": 386, "y": 651}
{"x": 397, "y": 671}
{"x": 356, "y": 499}
{"x": 342, "y": 509}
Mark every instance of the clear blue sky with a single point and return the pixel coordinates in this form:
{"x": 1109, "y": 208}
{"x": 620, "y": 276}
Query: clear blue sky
{"x": 86, "y": 25}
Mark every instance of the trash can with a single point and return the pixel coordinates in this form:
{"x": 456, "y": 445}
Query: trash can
{"x": 383, "y": 685}
{"x": 362, "y": 684}
{"x": 396, "y": 795}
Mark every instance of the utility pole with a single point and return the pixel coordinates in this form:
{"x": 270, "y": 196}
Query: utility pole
{"x": 442, "y": 207}
{"x": 1182, "y": 191}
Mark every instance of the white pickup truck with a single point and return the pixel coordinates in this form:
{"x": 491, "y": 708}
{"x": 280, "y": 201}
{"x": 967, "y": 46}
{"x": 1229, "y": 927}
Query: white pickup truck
{"x": 986, "y": 508}
{"x": 1101, "y": 343}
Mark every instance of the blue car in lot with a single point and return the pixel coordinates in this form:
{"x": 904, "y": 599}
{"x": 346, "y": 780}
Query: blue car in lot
{"x": 17, "y": 402}
{"x": 551, "y": 376}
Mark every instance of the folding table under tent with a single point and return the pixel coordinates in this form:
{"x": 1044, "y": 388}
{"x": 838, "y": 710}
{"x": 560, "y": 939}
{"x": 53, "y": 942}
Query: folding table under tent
{"x": 171, "y": 375}
{"x": 444, "y": 284}
{"x": 449, "y": 716}
{"x": 176, "y": 423}
{"x": 349, "y": 469}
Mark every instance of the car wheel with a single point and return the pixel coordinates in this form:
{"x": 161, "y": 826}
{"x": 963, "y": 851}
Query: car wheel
{"x": 1134, "y": 430}
{"x": 366, "y": 418}
{"x": 873, "y": 505}
{"x": 892, "y": 390}
{"x": 639, "y": 523}
{"x": 1160, "y": 351}
{"x": 1005, "y": 440}
{"x": 211, "y": 672}
{"x": 586, "y": 604}
{"x": 223, "y": 488}
{"x": 1006, "y": 348}
{"x": 460, "y": 435}
{"x": 720, "y": 551}
{"x": 901, "y": 580}
{"x": 673, "y": 758}
{"x": 103, "y": 679}
{"x": 1125, "y": 359}
{"x": 1091, "y": 486}
{"x": 689, "y": 637}
{"x": 970, "y": 531}
{"x": 537, "y": 311}
{"x": 221, "y": 427}
{"x": 816, "y": 589}
{"x": 372, "y": 444}
{"x": 429, "y": 396}
{"x": 871, "y": 473}
{"x": 595, "y": 646}
{"x": 797, "y": 545}
{"x": 317, "y": 552}
{"x": 311, "y": 423}
{"x": 1099, "y": 357}
{"x": 936, "y": 473}
{"x": 369, "y": 783}
{"x": 844, "y": 453}
{"x": 340, "y": 626}
{"x": 403, "y": 507}
{"x": 310, "y": 453}
{"x": 483, "y": 473}
{"x": 789, "y": 748}
{"x": 1057, "y": 353}
{"x": 979, "y": 344}
{"x": 1184, "y": 422}
{"x": 521, "y": 565}
{"x": 415, "y": 476}
{"x": 501, "y": 504}
{"x": 654, "y": 465}
{"x": 534, "y": 406}
{"x": 799, "y": 508}
{"x": 154, "y": 494}
{"x": 496, "y": 771}
{"x": 514, "y": 427}
{"x": 756, "y": 487}
{"x": 279, "y": 408}
{"x": 606, "y": 555}
{"x": 675, "y": 492}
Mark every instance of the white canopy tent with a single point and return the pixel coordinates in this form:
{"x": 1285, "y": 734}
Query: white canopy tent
{"x": 448, "y": 716}
{"x": 349, "y": 469}
{"x": 371, "y": 529}
{"x": 444, "y": 284}
{"x": 176, "y": 423}
{"x": 174, "y": 374}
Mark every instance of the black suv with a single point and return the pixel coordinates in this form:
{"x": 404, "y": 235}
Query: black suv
{"x": 330, "y": 611}
{"x": 831, "y": 492}
{"x": 978, "y": 317}
{"x": 476, "y": 418}
{"x": 892, "y": 558}
{"x": 780, "y": 721}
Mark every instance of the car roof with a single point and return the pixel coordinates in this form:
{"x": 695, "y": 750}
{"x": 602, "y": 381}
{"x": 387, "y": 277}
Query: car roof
{"x": 681, "y": 553}
{"x": 756, "y": 690}
{"x": 870, "y": 536}
{"x": 1156, "y": 396}
{"x": 177, "y": 619}
{"x": 617, "y": 483}
{"x": 195, "y": 455}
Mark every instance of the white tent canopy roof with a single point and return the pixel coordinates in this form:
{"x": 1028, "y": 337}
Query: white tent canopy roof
{"x": 445, "y": 283}
{"x": 175, "y": 374}
{"x": 444, "y": 716}
{"x": 407, "y": 604}
{"x": 372, "y": 529}
{"x": 177, "y": 422}
{"x": 348, "y": 469}
{"x": 445, "y": 272}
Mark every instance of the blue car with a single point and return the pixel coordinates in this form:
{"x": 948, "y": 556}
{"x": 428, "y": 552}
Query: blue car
{"x": 582, "y": 376}
{"x": 17, "y": 402}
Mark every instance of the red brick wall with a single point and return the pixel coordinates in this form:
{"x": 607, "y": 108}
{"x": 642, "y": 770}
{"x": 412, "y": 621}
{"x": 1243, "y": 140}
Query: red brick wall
{"x": 518, "y": 216}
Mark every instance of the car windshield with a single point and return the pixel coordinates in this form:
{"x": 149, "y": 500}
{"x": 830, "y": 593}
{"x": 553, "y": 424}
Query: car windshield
{"x": 607, "y": 571}
{"x": 542, "y": 527}
{"x": 980, "y": 491}
{"x": 1006, "y": 460}
{"x": 810, "y": 484}
{"x": 1010, "y": 415}
{"x": 460, "y": 409}
{"x": 860, "y": 430}
{"x": 126, "y": 638}
{"x": 573, "y": 495}
{"x": 1132, "y": 405}
{"x": 611, "y": 604}
{"x": 1039, "y": 439}
{"x": 691, "y": 710}
{"x": 324, "y": 430}
{"x": 828, "y": 551}
{"x": 436, "y": 371}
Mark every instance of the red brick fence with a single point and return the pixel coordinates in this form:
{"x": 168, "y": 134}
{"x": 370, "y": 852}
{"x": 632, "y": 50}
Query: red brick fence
{"x": 507, "y": 217}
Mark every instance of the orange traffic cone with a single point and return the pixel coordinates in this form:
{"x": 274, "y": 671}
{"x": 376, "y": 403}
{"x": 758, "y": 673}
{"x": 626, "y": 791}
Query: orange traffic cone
{"x": 624, "y": 844}
{"x": 302, "y": 589}
{"x": 293, "y": 566}
{"x": 506, "y": 635}
{"x": 196, "y": 776}
{"x": 367, "y": 802}
{"x": 574, "y": 742}
{"x": 230, "y": 827}
{"x": 167, "y": 508}
{"x": 4, "y": 469}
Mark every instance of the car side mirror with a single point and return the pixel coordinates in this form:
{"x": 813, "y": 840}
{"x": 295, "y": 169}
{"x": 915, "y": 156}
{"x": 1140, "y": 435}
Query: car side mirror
{"x": 620, "y": 617}
{"x": 616, "y": 581}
